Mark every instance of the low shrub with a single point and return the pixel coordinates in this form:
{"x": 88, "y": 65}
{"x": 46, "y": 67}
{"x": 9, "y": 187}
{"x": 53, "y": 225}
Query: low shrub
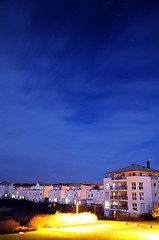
{"x": 9, "y": 226}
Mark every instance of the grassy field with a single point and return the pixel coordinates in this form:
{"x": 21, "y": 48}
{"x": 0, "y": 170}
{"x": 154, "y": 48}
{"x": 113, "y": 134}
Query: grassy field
{"x": 106, "y": 230}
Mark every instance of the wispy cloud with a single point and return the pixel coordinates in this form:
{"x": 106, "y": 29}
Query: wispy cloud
{"x": 77, "y": 95}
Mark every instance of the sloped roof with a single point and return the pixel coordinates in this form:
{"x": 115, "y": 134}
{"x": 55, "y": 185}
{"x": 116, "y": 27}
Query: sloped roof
{"x": 5, "y": 183}
{"x": 134, "y": 167}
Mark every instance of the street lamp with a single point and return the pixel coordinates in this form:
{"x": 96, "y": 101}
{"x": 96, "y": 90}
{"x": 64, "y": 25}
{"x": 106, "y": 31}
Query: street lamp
{"x": 77, "y": 207}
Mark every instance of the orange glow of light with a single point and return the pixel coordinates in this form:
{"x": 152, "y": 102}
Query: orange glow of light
{"x": 61, "y": 219}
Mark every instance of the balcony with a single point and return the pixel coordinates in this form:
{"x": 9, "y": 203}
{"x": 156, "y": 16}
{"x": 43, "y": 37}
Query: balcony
{"x": 123, "y": 208}
{"x": 118, "y": 188}
{"x": 114, "y": 207}
{"x": 123, "y": 187}
{"x": 123, "y": 197}
{"x": 114, "y": 188}
{"x": 120, "y": 208}
{"x": 114, "y": 197}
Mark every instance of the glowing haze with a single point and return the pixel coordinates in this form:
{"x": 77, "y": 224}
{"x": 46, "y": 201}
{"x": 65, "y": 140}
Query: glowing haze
{"x": 61, "y": 219}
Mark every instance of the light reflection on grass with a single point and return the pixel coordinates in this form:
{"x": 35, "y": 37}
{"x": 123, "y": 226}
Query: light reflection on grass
{"x": 105, "y": 230}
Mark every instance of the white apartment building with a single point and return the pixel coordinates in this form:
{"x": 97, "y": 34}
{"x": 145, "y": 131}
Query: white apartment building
{"x": 95, "y": 195}
{"x": 131, "y": 191}
{"x": 5, "y": 188}
{"x": 40, "y": 192}
{"x": 32, "y": 192}
{"x": 57, "y": 194}
{"x": 76, "y": 193}
{"x": 21, "y": 191}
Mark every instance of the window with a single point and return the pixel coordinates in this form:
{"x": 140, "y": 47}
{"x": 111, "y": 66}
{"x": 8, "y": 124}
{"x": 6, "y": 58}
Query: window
{"x": 134, "y": 196}
{"x": 141, "y": 196}
{"x": 134, "y": 206}
{"x": 141, "y": 185}
{"x": 155, "y": 194}
{"x": 133, "y": 185}
{"x": 140, "y": 174}
{"x": 107, "y": 204}
{"x": 154, "y": 185}
{"x": 107, "y": 186}
{"x": 134, "y": 174}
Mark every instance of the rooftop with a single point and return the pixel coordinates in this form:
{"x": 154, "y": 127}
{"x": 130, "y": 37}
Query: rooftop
{"x": 134, "y": 167}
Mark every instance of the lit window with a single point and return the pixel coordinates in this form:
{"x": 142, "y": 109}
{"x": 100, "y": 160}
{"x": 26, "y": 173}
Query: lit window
{"x": 141, "y": 196}
{"x": 141, "y": 185}
{"x": 133, "y": 185}
{"x": 67, "y": 200}
{"x": 107, "y": 186}
{"x": 134, "y": 196}
{"x": 107, "y": 204}
{"x": 155, "y": 194}
{"x": 134, "y": 206}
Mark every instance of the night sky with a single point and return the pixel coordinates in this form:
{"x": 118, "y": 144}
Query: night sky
{"x": 79, "y": 88}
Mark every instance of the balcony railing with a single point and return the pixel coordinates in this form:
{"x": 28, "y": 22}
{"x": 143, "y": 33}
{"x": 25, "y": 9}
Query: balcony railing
{"x": 114, "y": 197}
{"x": 121, "y": 208}
{"x": 123, "y": 198}
{"x": 114, "y": 207}
{"x": 115, "y": 188}
{"x": 123, "y": 187}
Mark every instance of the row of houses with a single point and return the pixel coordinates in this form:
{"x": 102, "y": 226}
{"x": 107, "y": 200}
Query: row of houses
{"x": 57, "y": 193}
{"x": 129, "y": 191}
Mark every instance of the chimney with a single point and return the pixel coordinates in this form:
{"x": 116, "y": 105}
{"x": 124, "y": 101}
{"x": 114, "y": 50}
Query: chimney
{"x": 148, "y": 164}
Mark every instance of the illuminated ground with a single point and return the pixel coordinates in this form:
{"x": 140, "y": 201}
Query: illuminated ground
{"x": 108, "y": 230}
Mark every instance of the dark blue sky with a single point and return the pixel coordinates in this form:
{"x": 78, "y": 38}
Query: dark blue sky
{"x": 79, "y": 88}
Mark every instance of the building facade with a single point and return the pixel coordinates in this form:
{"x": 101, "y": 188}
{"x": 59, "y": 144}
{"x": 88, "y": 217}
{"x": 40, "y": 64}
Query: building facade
{"x": 95, "y": 195}
{"x": 131, "y": 191}
{"x": 57, "y": 193}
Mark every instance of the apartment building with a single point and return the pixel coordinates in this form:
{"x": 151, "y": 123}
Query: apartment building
{"x": 95, "y": 194}
{"x": 32, "y": 192}
{"x": 21, "y": 191}
{"x": 40, "y": 192}
{"x": 131, "y": 191}
{"x": 76, "y": 193}
{"x": 5, "y": 188}
{"x": 57, "y": 194}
